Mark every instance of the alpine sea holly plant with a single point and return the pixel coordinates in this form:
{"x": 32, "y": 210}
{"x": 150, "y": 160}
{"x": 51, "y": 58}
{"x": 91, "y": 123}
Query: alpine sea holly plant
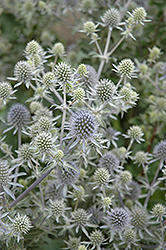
{"x": 75, "y": 180}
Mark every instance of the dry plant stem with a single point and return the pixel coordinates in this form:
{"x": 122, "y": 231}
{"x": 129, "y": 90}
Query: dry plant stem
{"x": 30, "y": 188}
{"x": 105, "y": 53}
{"x": 64, "y": 114}
{"x": 19, "y": 144}
{"x": 152, "y": 184}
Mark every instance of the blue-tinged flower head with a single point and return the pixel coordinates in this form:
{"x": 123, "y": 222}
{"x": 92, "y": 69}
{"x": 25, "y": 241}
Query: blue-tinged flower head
{"x": 18, "y": 116}
{"x": 159, "y": 150}
{"x": 109, "y": 161}
{"x": 118, "y": 219}
{"x": 68, "y": 174}
{"x": 83, "y": 125}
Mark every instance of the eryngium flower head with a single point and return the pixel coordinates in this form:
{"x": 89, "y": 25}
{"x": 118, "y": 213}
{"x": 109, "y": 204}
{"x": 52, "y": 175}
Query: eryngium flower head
{"x": 23, "y": 72}
{"x": 111, "y": 17}
{"x": 89, "y": 27}
{"x": 125, "y": 68}
{"x": 101, "y": 176}
{"x": 139, "y": 15}
{"x": 4, "y": 172}
{"x": 96, "y": 238}
{"x": 79, "y": 94}
{"x": 32, "y": 47}
{"x": 21, "y": 225}
{"x": 118, "y": 219}
{"x": 58, "y": 49}
{"x": 158, "y": 210}
{"x": 130, "y": 235}
{"x": 80, "y": 218}
{"x": 159, "y": 150}
{"x": 44, "y": 142}
{"x": 25, "y": 152}
{"x": 135, "y": 133}
{"x": 125, "y": 177}
{"x": 83, "y": 125}
{"x": 68, "y": 174}
{"x": 35, "y": 106}
{"x": 109, "y": 161}
{"x": 45, "y": 123}
{"x": 63, "y": 72}
{"x": 6, "y": 91}
{"x": 57, "y": 208}
{"x": 139, "y": 218}
{"x": 90, "y": 78}
{"x": 18, "y": 116}
{"x": 48, "y": 78}
{"x": 105, "y": 90}
{"x": 141, "y": 157}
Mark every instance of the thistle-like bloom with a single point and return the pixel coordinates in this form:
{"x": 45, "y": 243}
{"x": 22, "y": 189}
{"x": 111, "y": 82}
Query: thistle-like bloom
{"x": 96, "y": 238}
{"x": 6, "y": 92}
{"x": 89, "y": 27}
{"x": 83, "y": 126}
{"x": 125, "y": 68}
{"x": 135, "y": 133}
{"x": 125, "y": 177}
{"x": 57, "y": 208}
{"x": 139, "y": 15}
{"x": 105, "y": 90}
{"x": 63, "y": 73}
{"x": 159, "y": 150}
{"x": 21, "y": 225}
{"x": 87, "y": 80}
{"x": 73, "y": 243}
{"x": 134, "y": 190}
{"x": 18, "y": 116}
{"x": 25, "y": 155}
{"x": 117, "y": 220}
{"x": 101, "y": 177}
{"x": 141, "y": 158}
{"x": 80, "y": 219}
{"x": 6, "y": 177}
{"x": 111, "y": 18}
{"x": 68, "y": 174}
{"x": 43, "y": 144}
{"x": 23, "y": 73}
{"x": 159, "y": 211}
{"x": 110, "y": 161}
{"x": 32, "y": 48}
{"x": 140, "y": 219}
{"x": 48, "y": 79}
{"x": 58, "y": 49}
